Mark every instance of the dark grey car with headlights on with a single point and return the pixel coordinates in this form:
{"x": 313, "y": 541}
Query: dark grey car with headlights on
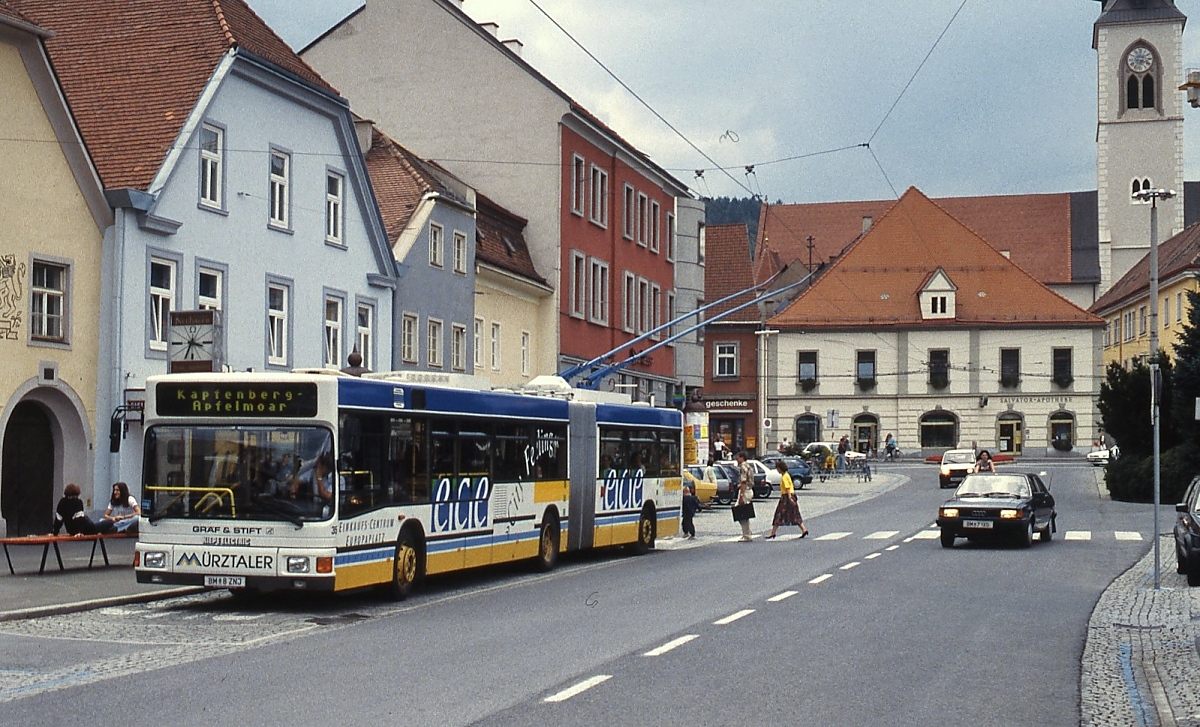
{"x": 993, "y": 506}
{"x": 1187, "y": 534}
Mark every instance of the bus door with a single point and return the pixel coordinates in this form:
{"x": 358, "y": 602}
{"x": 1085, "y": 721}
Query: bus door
{"x": 583, "y": 469}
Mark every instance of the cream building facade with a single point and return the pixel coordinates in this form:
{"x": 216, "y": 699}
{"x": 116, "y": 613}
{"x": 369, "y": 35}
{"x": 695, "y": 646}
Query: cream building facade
{"x": 50, "y": 264}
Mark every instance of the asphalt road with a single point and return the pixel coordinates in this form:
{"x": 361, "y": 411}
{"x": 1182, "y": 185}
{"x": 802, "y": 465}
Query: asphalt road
{"x": 867, "y": 621}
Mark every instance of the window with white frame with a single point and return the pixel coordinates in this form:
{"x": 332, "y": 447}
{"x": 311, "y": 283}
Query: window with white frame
{"x": 364, "y": 333}
{"x": 599, "y": 213}
{"x": 334, "y": 203}
{"x": 654, "y": 225}
{"x": 526, "y": 352}
{"x": 212, "y": 141}
{"x": 436, "y": 243}
{"x": 1166, "y": 316}
{"x": 725, "y": 360}
{"x": 671, "y": 313}
{"x": 1142, "y": 321}
{"x": 699, "y": 320}
{"x": 629, "y": 213}
{"x": 48, "y": 298}
{"x": 1178, "y": 307}
{"x": 495, "y": 346}
{"x": 629, "y": 302}
{"x": 671, "y": 243}
{"x": 578, "y": 284}
{"x": 408, "y": 338}
{"x": 644, "y": 315}
{"x": 1129, "y": 325}
{"x": 598, "y": 292}
{"x": 281, "y": 168}
{"x": 700, "y": 243}
{"x": 477, "y": 352}
{"x": 655, "y": 310}
{"x": 277, "y": 324}
{"x": 333, "y": 332}
{"x": 643, "y": 221}
{"x": 162, "y": 301}
{"x": 458, "y": 347}
{"x": 433, "y": 353}
{"x": 460, "y": 253}
{"x": 578, "y": 184}
{"x": 209, "y": 284}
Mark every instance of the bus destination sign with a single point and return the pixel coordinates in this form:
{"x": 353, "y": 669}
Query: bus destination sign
{"x": 236, "y": 399}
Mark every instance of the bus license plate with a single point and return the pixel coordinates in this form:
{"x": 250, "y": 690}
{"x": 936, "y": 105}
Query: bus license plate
{"x": 984, "y": 524}
{"x": 225, "y": 581}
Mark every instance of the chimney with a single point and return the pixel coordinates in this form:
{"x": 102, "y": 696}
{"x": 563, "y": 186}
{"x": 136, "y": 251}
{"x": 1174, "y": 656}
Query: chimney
{"x": 491, "y": 27}
{"x": 867, "y": 222}
{"x": 514, "y": 45}
{"x": 363, "y": 129}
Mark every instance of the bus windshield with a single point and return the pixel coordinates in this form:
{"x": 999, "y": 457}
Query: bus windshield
{"x": 239, "y": 473}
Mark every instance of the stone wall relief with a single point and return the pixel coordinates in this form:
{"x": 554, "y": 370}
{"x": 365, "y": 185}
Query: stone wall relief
{"x": 11, "y": 274}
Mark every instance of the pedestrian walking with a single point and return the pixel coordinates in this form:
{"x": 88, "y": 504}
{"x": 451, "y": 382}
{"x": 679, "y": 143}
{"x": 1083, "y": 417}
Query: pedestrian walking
{"x": 691, "y": 504}
{"x": 787, "y": 512}
{"x": 743, "y": 508}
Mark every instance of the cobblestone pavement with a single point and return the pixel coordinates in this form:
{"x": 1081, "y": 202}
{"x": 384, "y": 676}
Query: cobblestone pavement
{"x": 1141, "y": 664}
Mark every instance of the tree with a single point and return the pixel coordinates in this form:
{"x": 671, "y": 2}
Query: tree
{"x": 1186, "y": 379}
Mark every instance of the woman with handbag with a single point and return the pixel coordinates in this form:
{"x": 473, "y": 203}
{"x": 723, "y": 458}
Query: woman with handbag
{"x": 787, "y": 512}
{"x": 743, "y": 508}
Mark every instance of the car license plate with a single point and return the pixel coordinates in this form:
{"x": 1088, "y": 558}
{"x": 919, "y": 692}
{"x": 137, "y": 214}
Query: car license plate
{"x": 225, "y": 581}
{"x": 983, "y": 524}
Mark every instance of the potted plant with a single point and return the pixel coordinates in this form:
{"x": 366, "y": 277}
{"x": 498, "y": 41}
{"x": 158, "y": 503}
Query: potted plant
{"x": 808, "y": 384}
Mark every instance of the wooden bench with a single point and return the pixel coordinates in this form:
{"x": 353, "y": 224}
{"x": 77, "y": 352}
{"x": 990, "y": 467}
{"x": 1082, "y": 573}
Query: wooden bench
{"x": 53, "y": 540}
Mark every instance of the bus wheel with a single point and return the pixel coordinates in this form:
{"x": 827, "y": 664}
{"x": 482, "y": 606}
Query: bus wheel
{"x": 404, "y": 568}
{"x": 645, "y": 533}
{"x": 548, "y": 542}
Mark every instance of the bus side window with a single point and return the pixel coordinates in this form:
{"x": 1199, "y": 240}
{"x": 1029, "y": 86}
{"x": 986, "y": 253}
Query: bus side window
{"x": 508, "y": 461}
{"x": 409, "y": 469}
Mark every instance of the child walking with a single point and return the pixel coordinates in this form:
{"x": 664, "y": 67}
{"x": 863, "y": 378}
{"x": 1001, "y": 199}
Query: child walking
{"x": 691, "y": 504}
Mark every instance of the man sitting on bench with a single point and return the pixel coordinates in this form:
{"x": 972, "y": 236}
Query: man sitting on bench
{"x": 70, "y": 513}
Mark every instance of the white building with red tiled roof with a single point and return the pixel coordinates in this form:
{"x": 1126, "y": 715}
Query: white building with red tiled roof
{"x": 922, "y": 329}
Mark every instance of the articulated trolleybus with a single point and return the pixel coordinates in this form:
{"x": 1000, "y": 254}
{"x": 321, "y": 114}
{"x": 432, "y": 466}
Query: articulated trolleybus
{"x": 327, "y": 482}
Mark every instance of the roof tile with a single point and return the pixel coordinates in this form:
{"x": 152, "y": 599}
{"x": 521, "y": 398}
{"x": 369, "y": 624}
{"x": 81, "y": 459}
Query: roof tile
{"x": 1177, "y": 255}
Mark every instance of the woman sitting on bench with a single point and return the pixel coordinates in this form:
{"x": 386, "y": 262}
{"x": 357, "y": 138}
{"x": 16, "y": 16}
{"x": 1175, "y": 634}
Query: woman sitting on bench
{"x": 123, "y": 510}
{"x": 70, "y": 513}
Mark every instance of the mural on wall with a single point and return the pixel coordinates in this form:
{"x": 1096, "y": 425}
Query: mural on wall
{"x": 10, "y": 296}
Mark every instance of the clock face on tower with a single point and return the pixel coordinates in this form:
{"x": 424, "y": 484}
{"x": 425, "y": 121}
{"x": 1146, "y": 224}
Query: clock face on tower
{"x": 1140, "y": 59}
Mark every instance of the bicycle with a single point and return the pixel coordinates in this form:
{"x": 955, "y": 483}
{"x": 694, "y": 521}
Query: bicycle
{"x": 893, "y": 455}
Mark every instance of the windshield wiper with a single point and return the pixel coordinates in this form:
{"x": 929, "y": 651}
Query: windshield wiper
{"x": 266, "y": 504}
{"x": 1001, "y": 494}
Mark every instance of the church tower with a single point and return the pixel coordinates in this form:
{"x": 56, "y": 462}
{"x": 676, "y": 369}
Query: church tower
{"x": 1139, "y": 132}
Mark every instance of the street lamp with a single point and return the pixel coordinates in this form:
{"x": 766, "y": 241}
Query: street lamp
{"x": 762, "y": 383}
{"x": 1153, "y": 195}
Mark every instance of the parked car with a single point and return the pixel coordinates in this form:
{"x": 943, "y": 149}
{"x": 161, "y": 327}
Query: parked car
{"x": 815, "y": 453}
{"x": 995, "y": 506}
{"x": 705, "y": 491}
{"x": 956, "y": 464}
{"x": 801, "y": 471}
{"x": 1187, "y": 534}
{"x": 758, "y": 479}
{"x": 766, "y": 478}
{"x": 726, "y": 491}
{"x": 1100, "y": 457}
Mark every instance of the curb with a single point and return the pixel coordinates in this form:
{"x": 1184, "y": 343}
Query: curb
{"x": 64, "y": 608}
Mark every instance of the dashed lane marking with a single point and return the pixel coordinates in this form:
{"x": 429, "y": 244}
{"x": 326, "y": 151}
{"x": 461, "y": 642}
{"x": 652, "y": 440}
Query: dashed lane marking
{"x": 873, "y": 556}
{"x": 927, "y": 535}
{"x": 833, "y": 536}
{"x": 892, "y": 547}
{"x": 781, "y": 596}
{"x": 851, "y": 564}
{"x": 1078, "y": 535}
{"x": 882, "y": 535}
{"x": 579, "y": 688}
{"x": 1127, "y": 535}
{"x": 733, "y": 617}
{"x": 821, "y": 578}
{"x": 673, "y": 644}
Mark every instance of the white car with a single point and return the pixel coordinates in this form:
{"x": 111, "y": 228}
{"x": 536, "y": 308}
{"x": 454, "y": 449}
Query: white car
{"x": 773, "y": 475}
{"x": 1100, "y": 457}
{"x": 851, "y": 455}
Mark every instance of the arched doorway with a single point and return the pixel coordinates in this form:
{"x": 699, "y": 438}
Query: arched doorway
{"x": 27, "y": 474}
{"x": 866, "y": 433}
{"x": 1010, "y": 433}
{"x": 1062, "y": 430}
{"x": 808, "y": 429}
{"x": 939, "y": 430}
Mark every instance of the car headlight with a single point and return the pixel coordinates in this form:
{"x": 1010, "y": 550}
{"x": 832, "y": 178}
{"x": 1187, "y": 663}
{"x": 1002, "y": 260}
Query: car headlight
{"x": 154, "y": 559}
{"x": 949, "y": 512}
{"x": 1010, "y": 514}
{"x": 945, "y": 471}
{"x": 297, "y": 564}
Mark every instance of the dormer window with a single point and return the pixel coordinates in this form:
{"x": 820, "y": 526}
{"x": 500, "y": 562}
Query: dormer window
{"x": 937, "y": 296}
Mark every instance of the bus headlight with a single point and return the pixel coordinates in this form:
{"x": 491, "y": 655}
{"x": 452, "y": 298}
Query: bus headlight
{"x": 297, "y": 564}
{"x": 154, "y": 559}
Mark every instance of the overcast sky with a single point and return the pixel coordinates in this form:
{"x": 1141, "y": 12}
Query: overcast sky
{"x": 1006, "y": 103}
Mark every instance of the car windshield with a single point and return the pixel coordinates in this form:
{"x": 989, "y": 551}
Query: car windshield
{"x": 958, "y": 458}
{"x": 238, "y": 473}
{"x": 989, "y": 485}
